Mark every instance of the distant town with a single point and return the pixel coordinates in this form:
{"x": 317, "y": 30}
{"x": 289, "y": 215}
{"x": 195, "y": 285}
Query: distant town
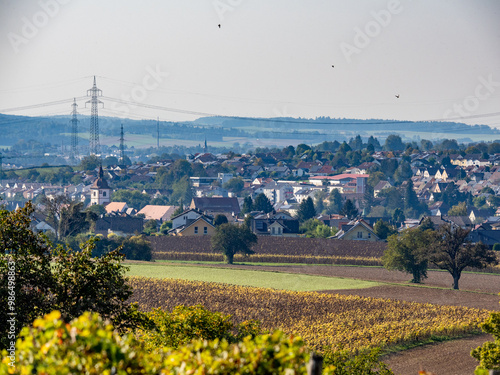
{"x": 345, "y": 188}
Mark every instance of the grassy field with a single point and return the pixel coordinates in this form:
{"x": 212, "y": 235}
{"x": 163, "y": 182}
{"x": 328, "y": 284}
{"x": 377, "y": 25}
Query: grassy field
{"x": 262, "y": 279}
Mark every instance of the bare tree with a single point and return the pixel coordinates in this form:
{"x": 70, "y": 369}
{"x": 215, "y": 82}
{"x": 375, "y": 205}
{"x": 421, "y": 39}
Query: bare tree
{"x": 451, "y": 251}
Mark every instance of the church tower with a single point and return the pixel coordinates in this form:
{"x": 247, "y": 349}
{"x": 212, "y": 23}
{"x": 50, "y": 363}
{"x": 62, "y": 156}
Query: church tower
{"x": 100, "y": 191}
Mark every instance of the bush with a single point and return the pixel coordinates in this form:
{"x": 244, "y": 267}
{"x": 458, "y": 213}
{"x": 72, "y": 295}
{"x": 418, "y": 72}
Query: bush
{"x": 496, "y": 246}
{"x": 133, "y": 247}
{"x": 185, "y": 324}
{"x": 89, "y": 345}
{"x": 488, "y": 354}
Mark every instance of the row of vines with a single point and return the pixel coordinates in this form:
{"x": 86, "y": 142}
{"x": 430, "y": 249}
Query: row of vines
{"x": 275, "y": 250}
{"x": 325, "y": 321}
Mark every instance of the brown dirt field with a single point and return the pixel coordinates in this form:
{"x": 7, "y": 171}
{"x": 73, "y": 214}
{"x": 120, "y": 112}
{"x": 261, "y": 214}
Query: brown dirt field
{"x": 445, "y": 358}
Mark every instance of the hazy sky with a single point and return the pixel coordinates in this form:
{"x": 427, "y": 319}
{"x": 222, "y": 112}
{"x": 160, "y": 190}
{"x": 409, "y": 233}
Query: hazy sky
{"x": 268, "y": 58}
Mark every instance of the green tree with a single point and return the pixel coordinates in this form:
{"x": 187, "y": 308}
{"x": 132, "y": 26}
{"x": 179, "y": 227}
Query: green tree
{"x": 398, "y": 216}
{"x": 247, "y": 205}
{"x": 488, "y": 354}
{"x": 150, "y": 227}
{"x": 235, "y": 184}
{"x": 319, "y": 201}
{"x": 220, "y": 219}
{"x": 383, "y": 229}
{"x": 306, "y": 210}
{"x": 407, "y": 252}
{"x": 67, "y": 217}
{"x": 24, "y": 254}
{"x": 230, "y": 239}
{"x": 314, "y": 228}
{"x": 110, "y": 160}
{"x": 133, "y": 198}
{"x": 48, "y": 278}
{"x": 89, "y": 163}
{"x": 412, "y": 207}
{"x": 97, "y": 209}
{"x": 349, "y": 210}
{"x": 181, "y": 191}
{"x": 403, "y": 172}
{"x": 451, "y": 251}
{"x": 458, "y": 210}
{"x": 336, "y": 203}
{"x": 394, "y": 143}
{"x": 262, "y": 203}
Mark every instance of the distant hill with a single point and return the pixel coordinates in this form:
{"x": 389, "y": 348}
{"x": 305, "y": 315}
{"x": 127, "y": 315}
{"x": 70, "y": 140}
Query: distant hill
{"x": 57, "y": 129}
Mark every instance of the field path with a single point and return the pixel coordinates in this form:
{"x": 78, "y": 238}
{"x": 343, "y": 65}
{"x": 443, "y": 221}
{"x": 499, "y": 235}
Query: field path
{"x": 446, "y": 358}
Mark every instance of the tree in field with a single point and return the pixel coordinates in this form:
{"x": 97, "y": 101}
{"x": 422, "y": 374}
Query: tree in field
{"x": 262, "y": 203}
{"x": 349, "y": 210}
{"x": 230, "y": 239}
{"x": 48, "y": 278}
{"x": 451, "y": 251}
{"x": 306, "y": 210}
{"x": 407, "y": 252}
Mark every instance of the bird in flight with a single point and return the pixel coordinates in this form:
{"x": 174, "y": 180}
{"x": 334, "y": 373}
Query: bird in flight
{"x": 333, "y": 66}
{"x": 397, "y": 96}
{"x": 219, "y": 25}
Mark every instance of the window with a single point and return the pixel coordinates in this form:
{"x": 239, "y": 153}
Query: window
{"x": 95, "y": 193}
{"x": 273, "y": 230}
{"x": 369, "y": 235}
{"x": 279, "y": 230}
{"x": 195, "y": 230}
{"x": 103, "y": 193}
{"x": 360, "y": 234}
{"x": 205, "y": 230}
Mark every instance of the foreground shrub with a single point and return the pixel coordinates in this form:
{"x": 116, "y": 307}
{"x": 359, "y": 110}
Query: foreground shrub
{"x": 488, "y": 354}
{"x": 89, "y": 345}
{"x": 185, "y": 324}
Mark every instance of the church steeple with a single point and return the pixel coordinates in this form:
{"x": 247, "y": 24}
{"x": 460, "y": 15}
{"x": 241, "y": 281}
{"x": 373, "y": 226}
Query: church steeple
{"x": 205, "y": 149}
{"x": 100, "y": 190}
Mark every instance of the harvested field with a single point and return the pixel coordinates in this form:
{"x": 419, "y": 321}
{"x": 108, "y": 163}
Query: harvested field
{"x": 445, "y": 358}
{"x": 324, "y": 321}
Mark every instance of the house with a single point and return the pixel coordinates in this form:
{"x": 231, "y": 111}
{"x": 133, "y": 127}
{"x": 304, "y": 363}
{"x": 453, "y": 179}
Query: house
{"x": 381, "y": 186}
{"x": 277, "y": 224}
{"x": 201, "y": 226}
{"x": 187, "y": 217}
{"x": 487, "y": 236}
{"x": 277, "y": 192}
{"x": 355, "y": 183}
{"x": 116, "y": 207}
{"x": 118, "y": 224}
{"x": 214, "y": 205}
{"x": 158, "y": 213}
{"x": 357, "y": 230}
